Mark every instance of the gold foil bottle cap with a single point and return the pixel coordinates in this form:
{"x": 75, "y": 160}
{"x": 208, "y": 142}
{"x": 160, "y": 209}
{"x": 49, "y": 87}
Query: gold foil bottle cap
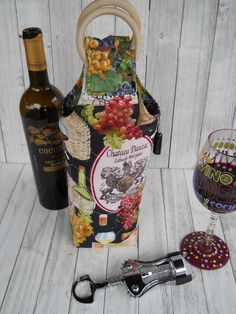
{"x": 33, "y": 42}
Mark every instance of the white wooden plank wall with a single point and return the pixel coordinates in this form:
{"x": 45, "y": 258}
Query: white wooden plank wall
{"x": 188, "y": 63}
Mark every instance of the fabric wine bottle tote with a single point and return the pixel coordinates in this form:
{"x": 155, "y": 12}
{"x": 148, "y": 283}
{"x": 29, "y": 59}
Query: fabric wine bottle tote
{"x": 110, "y": 125}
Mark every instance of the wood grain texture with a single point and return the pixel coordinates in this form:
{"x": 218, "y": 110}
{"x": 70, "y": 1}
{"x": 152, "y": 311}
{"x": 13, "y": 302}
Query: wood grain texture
{"x": 234, "y": 119}
{"x": 228, "y": 223}
{"x": 221, "y": 96}
{"x": 66, "y": 61}
{"x": 2, "y": 148}
{"x": 24, "y": 284}
{"x": 11, "y": 85}
{"x": 121, "y": 28}
{"x": 35, "y": 13}
{"x": 94, "y": 263}
{"x": 13, "y": 225}
{"x": 55, "y": 290}
{"x": 102, "y": 26}
{"x": 9, "y": 174}
{"x": 116, "y": 297}
{"x": 153, "y": 242}
{"x": 219, "y": 285}
{"x": 165, "y": 20}
{"x": 195, "y": 50}
{"x": 178, "y": 224}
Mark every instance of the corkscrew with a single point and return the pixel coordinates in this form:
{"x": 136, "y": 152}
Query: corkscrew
{"x": 138, "y": 277}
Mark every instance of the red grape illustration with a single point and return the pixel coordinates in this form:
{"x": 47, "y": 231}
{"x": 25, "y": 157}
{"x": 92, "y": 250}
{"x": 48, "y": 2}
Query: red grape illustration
{"x": 129, "y": 209}
{"x": 115, "y": 122}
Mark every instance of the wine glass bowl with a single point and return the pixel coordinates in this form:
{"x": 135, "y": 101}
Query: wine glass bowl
{"x": 214, "y": 184}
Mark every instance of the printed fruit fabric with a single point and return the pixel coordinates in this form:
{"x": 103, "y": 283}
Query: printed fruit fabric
{"x": 81, "y": 227}
{"x": 111, "y": 66}
{"x": 129, "y": 209}
{"x": 108, "y": 122}
{"x": 115, "y": 122}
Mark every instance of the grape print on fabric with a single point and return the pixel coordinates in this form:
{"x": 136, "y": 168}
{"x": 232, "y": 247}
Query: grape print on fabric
{"x": 108, "y": 123}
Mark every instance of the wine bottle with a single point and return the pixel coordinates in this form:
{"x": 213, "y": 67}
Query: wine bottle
{"x": 39, "y": 108}
{"x": 81, "y": 197}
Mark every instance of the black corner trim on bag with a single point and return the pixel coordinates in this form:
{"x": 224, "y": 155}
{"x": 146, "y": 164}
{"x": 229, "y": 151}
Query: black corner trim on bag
{"x": 157, "y": 143}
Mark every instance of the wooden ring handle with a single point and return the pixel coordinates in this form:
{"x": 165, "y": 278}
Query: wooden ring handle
{"x": 120, "y": 4}
{"x": 81, "y": 27}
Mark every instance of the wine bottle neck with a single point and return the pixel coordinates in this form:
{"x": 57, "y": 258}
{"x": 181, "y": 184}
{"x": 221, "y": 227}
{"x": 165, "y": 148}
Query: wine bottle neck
{"x": 82, "y": 177}
{"x": 39, "y": 79}
{"x": 35, "y": 57}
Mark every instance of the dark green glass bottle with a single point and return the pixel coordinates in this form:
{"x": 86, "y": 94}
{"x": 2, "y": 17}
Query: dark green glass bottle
{"x": 39, "y": 107}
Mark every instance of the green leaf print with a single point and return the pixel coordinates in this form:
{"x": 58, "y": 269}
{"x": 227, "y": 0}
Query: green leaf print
{"x": 126, "y": 63}
{"x": 109, "y": 83}
{"x": 114, "y": 141}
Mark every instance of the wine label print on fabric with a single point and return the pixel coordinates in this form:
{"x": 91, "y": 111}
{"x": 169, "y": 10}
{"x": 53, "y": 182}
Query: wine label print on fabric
{"x": 126, "y": 172}
{"x": 108, "y": 127}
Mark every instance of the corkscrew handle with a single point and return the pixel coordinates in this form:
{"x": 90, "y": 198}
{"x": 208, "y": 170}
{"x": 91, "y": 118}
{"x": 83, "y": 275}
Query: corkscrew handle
{"x": 93, "y": 287}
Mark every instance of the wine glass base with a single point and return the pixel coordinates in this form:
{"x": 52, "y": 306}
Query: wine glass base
{"x": 209, "y": 257}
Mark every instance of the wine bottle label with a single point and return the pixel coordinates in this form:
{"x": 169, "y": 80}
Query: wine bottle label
{"x": 45, "y": 145}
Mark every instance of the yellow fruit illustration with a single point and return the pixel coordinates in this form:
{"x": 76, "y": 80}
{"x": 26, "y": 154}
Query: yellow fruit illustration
{"x": 93, "y": 43}
{"x": 96, "y": 55}
{"x": 98, "y": 61}
{"x": 96, "y": 64}
{"x": 89, "y": 52}
{"x": 103, "y": 65}
{"x": 104, "y": 55}
{"x": 81, "y": 226}
{"x": 91, "y": 68}
{"x": 87, "y": 41}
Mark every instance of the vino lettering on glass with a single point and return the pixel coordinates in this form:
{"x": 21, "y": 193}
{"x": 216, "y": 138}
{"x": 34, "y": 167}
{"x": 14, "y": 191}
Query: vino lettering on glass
{"x": 39, "y": 107}
{"x": 214, "y": 183}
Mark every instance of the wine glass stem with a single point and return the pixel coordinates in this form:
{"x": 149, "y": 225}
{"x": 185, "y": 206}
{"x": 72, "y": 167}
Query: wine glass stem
{"x": 211, "y": 227}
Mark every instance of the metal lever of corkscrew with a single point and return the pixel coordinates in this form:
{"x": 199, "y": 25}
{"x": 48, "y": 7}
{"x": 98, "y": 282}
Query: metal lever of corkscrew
{"x": 140, "y": 276}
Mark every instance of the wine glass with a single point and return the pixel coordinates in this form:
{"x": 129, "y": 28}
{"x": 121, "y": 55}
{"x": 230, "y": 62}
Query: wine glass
{"x": 214, "y": 183}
